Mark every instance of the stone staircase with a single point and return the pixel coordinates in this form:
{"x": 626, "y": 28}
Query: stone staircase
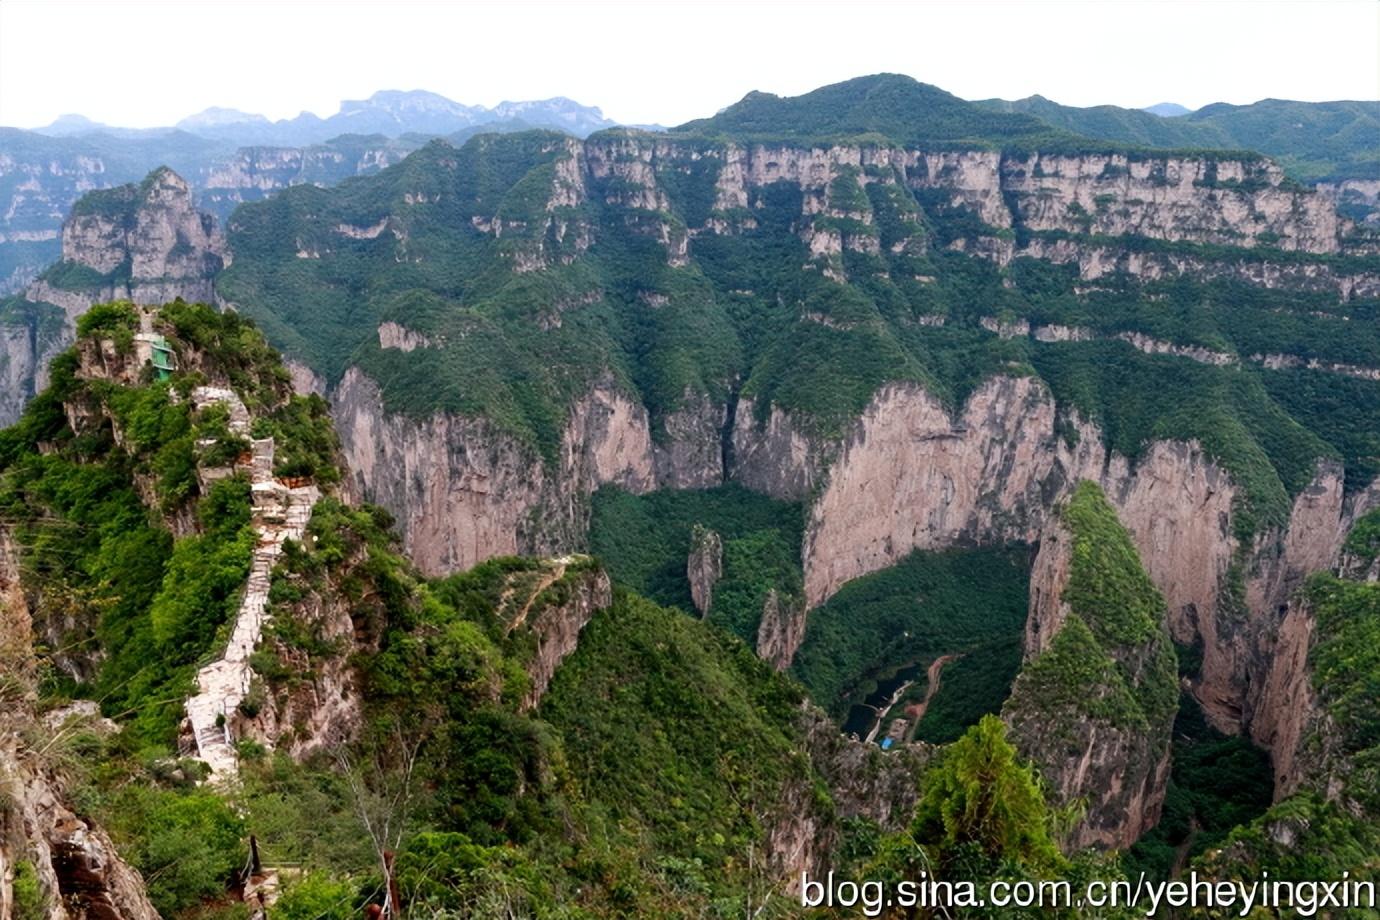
{"x": 279, "y": 513}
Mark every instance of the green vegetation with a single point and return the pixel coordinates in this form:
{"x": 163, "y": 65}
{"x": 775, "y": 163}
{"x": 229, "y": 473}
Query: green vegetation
{"x": 1107, "y": 587}
{"x": 884, "y": 107}
{"x": 678, "y": 728}
{"x": 1306, "y": 836}
{"x": 602, "y": 296}
{"x": 637, "y": 787}
{"x": 957, "y": 601}
{"x": 971, "y": 686}
{"x": 1138, "y": 399}
{"x": 1311, "y": 140}
{"x": 645, "y": 542}
{"x": 1218, "y": 783}
{"x": 73, "y": 276}
{"x": 652, "y": 772}
{"x": 132, "y": 611}
{"x": 29, "y": 902}
{"x": 1111, "y": 659}
{"x": 982, "y": 816}
{"x": 184, "y": 843}
{"x": 1076, "y": 678}
{"x": 1364, "y": 539}
{"x": 1346, "y": 675}
{"x": 981, "y": 801}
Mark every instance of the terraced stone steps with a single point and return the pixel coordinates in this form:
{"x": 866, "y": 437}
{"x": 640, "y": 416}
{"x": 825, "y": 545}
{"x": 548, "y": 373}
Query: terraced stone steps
{"x": 279, "y": 513}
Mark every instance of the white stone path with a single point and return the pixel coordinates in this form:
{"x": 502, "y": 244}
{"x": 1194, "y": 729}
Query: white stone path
{"x": 279, "y": 513}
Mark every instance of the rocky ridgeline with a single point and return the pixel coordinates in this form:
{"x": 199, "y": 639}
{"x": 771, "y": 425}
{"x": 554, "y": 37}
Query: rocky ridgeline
{"x": 1153, "y": 346}
{"x": 255, "y": 173}
{"x": 1095, "y": 703}
{"x": 280, "y": 513}
{"x": 42, "y": 185}
{"x": 145, "y": 243}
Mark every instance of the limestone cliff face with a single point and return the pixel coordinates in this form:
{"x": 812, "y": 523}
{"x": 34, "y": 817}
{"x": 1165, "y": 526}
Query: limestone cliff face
{"x": 26, "y": 347}
{"x": 690, "y": 455}
{"x": 781, "y": 630}
{"x": 254, "y": 173}
{"x": 171, "y": 248}
{"x": 1049, "y": 576}
{"x": 322, "y": 706}
{"x": 1120, "y": 772}
{"x": 464, "y": 491}
{"x": 1099, "y": 259}
{"x": 1360, "y": 196}
{"x": 1283, "y": 711}
{"x": 1287, "y": 702}
{"x": 1230, "y": 202}
{"x": 912, "y": 476}
{"x": 79, "y": 873}
{"x": 1238, "y": 202}
{"x": 460, "y": 490}
{"x": 1235, "y": 202}
{"x": 776, "y": 456}
{"x": 38, "y": 191}
{"x": 1095, "y": 702}
{"x": 146, "y": 243}
{"x": 862, "y": 781}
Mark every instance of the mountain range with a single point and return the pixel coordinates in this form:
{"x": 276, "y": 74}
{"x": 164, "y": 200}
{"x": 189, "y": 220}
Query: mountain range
{"x": 392, "y": 113}
{"x": 866, "y": 480}
{"x": 231, "y": 156}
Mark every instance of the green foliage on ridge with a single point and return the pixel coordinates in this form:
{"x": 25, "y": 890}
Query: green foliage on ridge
{"x": 888, "y": 107}
{"x": 648, "y": 706}
{"x": 1111, "y": 659}
{"x": 1312, "y": 140}
{"x": 133, "y": 610}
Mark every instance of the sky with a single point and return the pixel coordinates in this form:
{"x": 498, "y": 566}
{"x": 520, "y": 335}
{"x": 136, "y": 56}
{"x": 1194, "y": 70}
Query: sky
{"x": 145, "y": 63}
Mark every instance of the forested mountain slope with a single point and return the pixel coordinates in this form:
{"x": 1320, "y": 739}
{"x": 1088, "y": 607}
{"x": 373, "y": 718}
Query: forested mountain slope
{"x": 515, "y": 722}
{"x": 898, "y": 392}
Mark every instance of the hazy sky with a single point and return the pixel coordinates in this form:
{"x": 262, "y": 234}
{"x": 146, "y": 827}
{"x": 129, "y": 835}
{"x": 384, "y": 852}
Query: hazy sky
{"x": 148, "y": 63}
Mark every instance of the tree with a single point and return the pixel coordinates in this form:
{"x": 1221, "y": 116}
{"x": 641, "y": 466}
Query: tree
{"x": 981, "y": 798}
{"x": 981, "y": 816}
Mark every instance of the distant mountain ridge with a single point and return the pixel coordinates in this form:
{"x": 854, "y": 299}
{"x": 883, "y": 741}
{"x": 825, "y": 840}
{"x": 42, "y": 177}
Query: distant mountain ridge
{"x": 1313, "y": 141}
{"x": 391, "y": 113}
{"x": 230, "y": 156}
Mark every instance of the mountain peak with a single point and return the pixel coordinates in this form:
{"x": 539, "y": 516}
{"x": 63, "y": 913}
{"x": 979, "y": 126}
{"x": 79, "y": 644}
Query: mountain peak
{"x": 896, "y": 106}
{"x": 1167, "y": 109}
{"x": 71, "y": 123}
{"x": 219, "y": 117}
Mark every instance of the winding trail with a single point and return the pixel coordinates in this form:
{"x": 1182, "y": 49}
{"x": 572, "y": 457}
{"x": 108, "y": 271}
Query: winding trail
{"x": 546, "y": 581}
{"x": 934, "y": 676}
{"x": 279, "y": 513}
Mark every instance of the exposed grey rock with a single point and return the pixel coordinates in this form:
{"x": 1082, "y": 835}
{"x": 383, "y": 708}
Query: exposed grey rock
{"x": 704, "y": 567}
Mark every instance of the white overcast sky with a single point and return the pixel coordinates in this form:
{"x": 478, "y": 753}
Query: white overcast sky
{"x": 141, "y": 64}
